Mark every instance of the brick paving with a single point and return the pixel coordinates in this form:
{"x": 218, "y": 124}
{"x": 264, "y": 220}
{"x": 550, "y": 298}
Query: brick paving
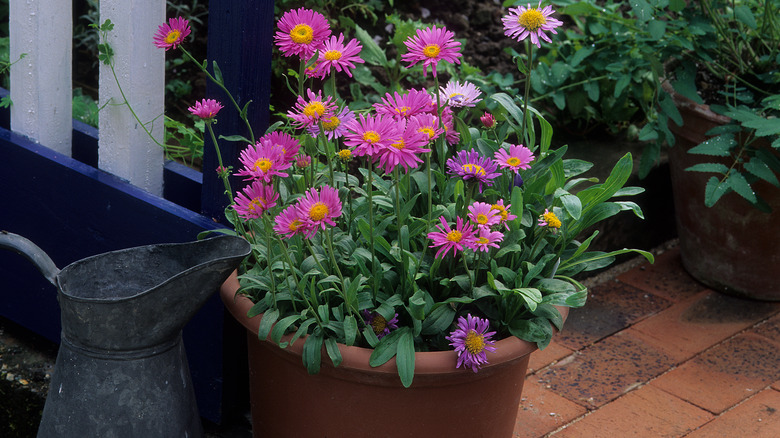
{"x": 654, "y": 353}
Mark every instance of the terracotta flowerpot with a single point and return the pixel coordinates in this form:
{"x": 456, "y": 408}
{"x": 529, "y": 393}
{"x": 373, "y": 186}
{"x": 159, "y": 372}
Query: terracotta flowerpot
{"x": 731, "y": 247}
{"x": 356, "y": 400}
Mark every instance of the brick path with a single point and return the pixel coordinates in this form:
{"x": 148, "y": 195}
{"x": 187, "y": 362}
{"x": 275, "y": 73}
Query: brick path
{"x": 656, "y": 354}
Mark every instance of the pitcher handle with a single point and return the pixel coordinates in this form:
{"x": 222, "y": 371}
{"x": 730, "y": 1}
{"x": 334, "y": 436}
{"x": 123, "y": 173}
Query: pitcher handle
{"x": 31, "y": 252}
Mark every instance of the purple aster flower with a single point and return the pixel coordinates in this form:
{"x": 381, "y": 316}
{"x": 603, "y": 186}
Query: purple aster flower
{"x": 301, "y": 32}
{"x": 405, "y": 151}
{"x": 334, "y": 126}
{"x": 458, "y": 95}
{"x": 289, "y": 144}
{"x": 523, "y": 22}
{"x": 427, "y": 124}
{"x": 379, "y": 324}
{"x": 455, "y": 239}
{"x": 470, "y": 165}
{"x": 483, "y": 215}
{"x": 288, "y": 223}
{"x": 471, "y": 340}
{"x": 205, "y": 109}
{"x": 430, "y": 46}
{"x": 503, "y": 212}
{"x": 255, "y": 199}
{"x": 171, "y": 34}
{"x": 263, "y": 160}
{"x": 368, "y": 135}
{"x": 310, "y": 112}
{"x": 487, "y": 239}
{"x": 405, "y": 105}
{"x": 519, "y": 157}
{"x": 318, "y": 209}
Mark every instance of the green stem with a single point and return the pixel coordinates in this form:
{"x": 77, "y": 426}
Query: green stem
{"x": 530, "y": 50}
{"x": 369, "y": 191}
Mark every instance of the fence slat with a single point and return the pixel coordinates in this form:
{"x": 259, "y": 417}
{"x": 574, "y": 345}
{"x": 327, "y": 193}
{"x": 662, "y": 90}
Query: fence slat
{"x": 125, "y": 148}
{"x": 241, "y": 41}
{"x": 41, "y": 82}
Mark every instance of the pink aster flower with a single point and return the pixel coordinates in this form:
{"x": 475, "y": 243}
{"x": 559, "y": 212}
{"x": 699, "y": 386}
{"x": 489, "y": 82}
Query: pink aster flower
{"x": 289, "y": 144}
{"x": 379, "y": 324}
{"x": 430, "y": 46}
{"x": 427, "y": 124}
{"x": 483, "y": 215}
{"x": 471, "y": 340}
{"x": 488, "y": 121}
{"x": 470, "y": 165}
{"x": 550, "y": 220}
{"x": 206, "y": 109}
{"x": 255, "y": 199}
{"x": 503, "y": 212}
{"x": 456, "y": 94}
{"x": 171, "y": 34}
{"x": 318, "y": 209}
{"x": 334, "y": 126}
{"x": 301, "y": 32}
{"x": 405, "y": 105}
{"x": 452, "y": 239}
{"x": 405, "y": 151}
{"x": 519, "y": 157}
{"x": 309, "y": 112}
{"x": 369, "y": 134}
{"x": 287, "y": 223}
{"x": 524, "y": 22}
{"x": 263, "y": 161}
{"x": 487, "y": 239}
{"x": 336, "y": 55}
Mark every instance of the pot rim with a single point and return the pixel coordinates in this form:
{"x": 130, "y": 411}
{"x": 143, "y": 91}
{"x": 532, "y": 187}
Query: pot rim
{"x": 356, "y": 358}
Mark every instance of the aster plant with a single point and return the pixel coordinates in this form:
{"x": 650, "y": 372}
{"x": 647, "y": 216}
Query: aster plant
{"x": 398, "y": 227}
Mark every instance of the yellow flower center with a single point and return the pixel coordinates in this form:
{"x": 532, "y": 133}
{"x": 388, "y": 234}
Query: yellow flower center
{"x": 402, "y": 110}
{"x": 432, "y": 50}
{"x": 400, "y": 144}
{"x": 474, "y": 169}
{"x": 483, "y": 240}
{"x": 255, "y": 205}
{"x": 482, "y": 219}
{"x": 332, "y": 55}
{"x": 454, "y": 236}
{"x": 172, "y": 36}
{"x": 501, "y": 210}
{"x": 552, "y": 220}
{"x": 318, "y": 211}
{"x": 532, "y": 19}
{"x": 263, "y": 164}
{"x": 513, "y": 161}
{"x": 314, "y": 109}
{"x": 475, "y": 342}
{"x": 294, "y": 225}
{"x": 345, "y": 154}
{"x": 378, "y": 324}
{"x": 302, "y": 34}
{"x": 431, "y": 133}
{"x": 371, "y": 136}
{"x": 331, "y": 124}
{"x": 456, "y": 96}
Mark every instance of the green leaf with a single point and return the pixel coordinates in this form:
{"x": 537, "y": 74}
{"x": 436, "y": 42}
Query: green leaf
{"x": 709, "y": 167}
{"x": 642, "y": 10}
{"x": 760, "y": 169}
{"x": 633, "y": 206}
{"x": 669, "y": 108}
{"x": 685, "y": 85}
{"x": 739, "y": 184}
{"x": 217, "y": 73}
{"x": 714, "y": 190}
{"x": 620, "y": 85}
{"x": 312, "y": 352}
{"x": 719, "y": 146}
{"x": 269, "y": 318}
{"x": 332, "y": 347}
{"x": 371, "y": 52}
{"x": 572, "y": 205}
{"x": 350, "y": 330}
{"x": 281, "y": 327}
{"x": 405, "y": 357}
{"x": 386, "y": 349}
{"x": 657, "y": 29}
{"x": 745, "y": 16}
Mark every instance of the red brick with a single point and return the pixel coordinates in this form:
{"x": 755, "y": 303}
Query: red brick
{"x": 605, "y": 370}
{"x": 645, "y": 412}
{"x": 770, "y": 328}
{"x": 541, "y": 358}
{"x": 612, "y": 306}
{"x": 726, "y": 374}
{"x": 758, "y": 417}
{"x": 699, "y": 322}
{"x": 542, "y": 411}
{"x": 666, "y": 277}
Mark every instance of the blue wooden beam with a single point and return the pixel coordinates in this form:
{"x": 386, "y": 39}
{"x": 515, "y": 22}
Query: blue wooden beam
{"x": 241, "y": 42}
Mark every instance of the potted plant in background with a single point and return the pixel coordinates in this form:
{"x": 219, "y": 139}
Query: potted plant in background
{"x": 725, "y": 86}
{"x": 407, "y": 258}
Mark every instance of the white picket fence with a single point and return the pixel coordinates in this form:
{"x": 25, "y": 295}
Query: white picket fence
{"x": 41, "y": 88}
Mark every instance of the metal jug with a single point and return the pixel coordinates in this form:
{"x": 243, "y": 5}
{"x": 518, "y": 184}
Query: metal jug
{"x": 121, "y": 369}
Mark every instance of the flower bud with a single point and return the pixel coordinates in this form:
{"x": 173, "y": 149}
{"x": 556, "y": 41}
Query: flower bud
{"x": 488, "y": 120}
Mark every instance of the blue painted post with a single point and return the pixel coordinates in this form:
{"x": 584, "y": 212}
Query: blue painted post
{"x": 241, "y": 41}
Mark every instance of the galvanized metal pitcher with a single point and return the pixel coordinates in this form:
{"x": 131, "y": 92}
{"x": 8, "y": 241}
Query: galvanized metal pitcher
{"x": 121, "y": 369}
